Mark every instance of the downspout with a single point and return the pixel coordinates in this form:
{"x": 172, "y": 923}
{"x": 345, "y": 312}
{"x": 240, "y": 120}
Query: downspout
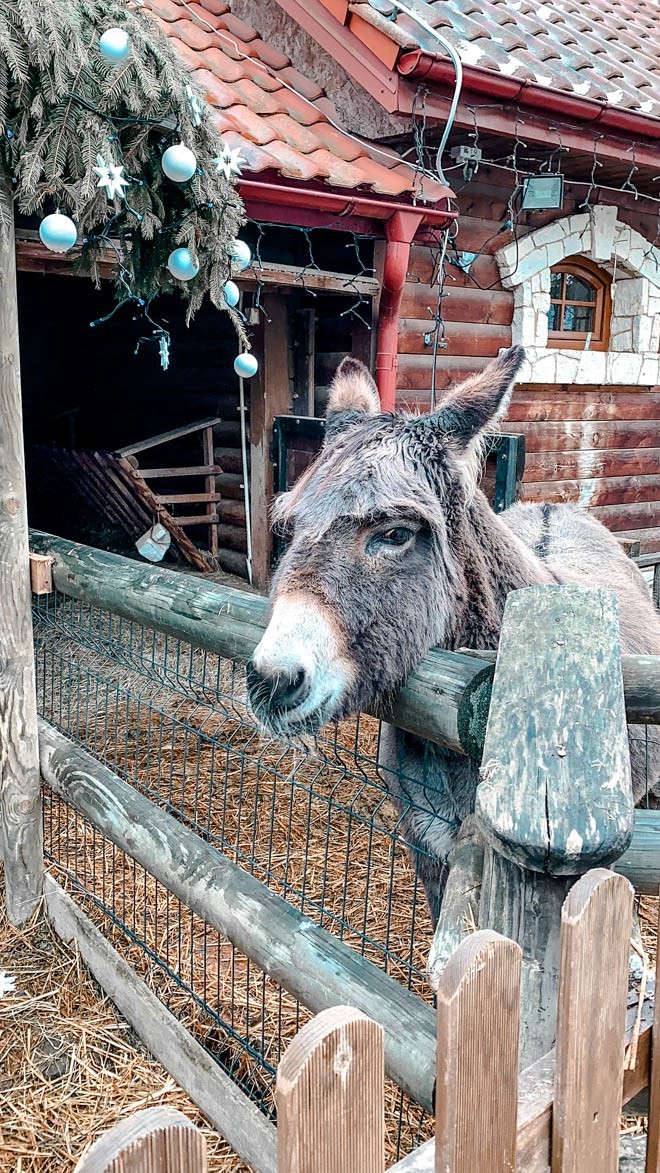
{"x": 400, "y": 231}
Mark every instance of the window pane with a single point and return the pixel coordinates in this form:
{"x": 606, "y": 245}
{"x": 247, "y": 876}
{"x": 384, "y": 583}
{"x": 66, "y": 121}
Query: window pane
{"x": 555, "y": 285}
{"x": 554, "y": 317}
{"x": 578, "y": 317}
{"x": 578, "y": 290}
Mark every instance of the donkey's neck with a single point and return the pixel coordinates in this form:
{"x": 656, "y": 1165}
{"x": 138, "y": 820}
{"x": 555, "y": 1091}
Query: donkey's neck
{"x": 493, "y": 562}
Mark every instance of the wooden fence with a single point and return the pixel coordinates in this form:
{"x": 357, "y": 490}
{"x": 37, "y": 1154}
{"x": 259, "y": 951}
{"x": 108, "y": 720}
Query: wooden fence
{"x": 561, "y": 1113}
{"x": 550, "y": 721}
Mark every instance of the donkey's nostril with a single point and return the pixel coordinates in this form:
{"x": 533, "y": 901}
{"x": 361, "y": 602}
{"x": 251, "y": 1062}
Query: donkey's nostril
{"x": 274, "y": 688}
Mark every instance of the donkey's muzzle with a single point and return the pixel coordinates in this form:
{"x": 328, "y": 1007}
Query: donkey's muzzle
{"x": 276, "y": 691}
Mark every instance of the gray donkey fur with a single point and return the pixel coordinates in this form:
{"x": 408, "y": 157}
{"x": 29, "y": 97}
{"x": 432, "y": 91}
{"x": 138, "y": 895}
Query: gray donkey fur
{"x": 394, "y": 550}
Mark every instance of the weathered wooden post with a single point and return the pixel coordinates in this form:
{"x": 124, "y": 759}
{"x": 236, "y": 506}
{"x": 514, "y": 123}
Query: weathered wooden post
{"x": 555, "y": 796}
{"x": 20, "y": 792}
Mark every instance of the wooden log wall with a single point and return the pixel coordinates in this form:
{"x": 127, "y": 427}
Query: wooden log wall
{"x": 598, "y": 447}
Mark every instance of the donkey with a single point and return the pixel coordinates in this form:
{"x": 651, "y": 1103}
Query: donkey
{"x": 395, "y": 550}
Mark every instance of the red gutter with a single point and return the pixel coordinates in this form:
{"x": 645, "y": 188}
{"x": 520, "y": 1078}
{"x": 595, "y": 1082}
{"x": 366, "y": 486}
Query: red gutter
{"x": 419, "y": 64}
{"x": 322, "y": 202}
{"x": 400, "y": 231}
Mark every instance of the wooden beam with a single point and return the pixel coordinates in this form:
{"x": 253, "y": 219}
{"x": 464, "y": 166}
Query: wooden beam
{"x": 319, "y": 970}
{"x": 166, "y": 437}
{"x": 193, "y": 470}
{"x": 222, "y": 1102}
{"x": 20, "y": 784}
{"x": 270, "y": 395}
{"x": 41, "y": 574}
{"x": 269, "y": 273}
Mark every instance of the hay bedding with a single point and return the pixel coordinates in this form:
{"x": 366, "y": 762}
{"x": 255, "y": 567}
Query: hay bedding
{"x": 70, "y": 1066}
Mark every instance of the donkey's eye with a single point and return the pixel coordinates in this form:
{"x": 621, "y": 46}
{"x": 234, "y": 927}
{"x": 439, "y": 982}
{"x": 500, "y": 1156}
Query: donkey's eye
{"x": 398, "y": 536}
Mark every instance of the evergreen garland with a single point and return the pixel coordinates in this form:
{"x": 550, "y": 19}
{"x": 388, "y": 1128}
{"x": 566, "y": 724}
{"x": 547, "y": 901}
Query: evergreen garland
{"x": 62, "y": 104}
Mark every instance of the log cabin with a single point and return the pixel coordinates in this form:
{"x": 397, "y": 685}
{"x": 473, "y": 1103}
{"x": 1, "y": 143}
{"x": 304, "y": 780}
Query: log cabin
{"x": 424, "y": 184}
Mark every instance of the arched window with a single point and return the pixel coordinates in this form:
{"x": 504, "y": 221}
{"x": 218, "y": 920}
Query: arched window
{"x": 580, "y": 306}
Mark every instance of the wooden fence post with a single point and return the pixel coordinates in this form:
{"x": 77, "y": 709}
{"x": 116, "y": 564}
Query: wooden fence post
{"x": 20, "y": 786}
{"x": 477, "y": 1075}
{"x": 555, "y": 795}
{"x": 157, "y": 1140}
{"x": 330, "y": 1096}
{"x": 591, "y": 1022}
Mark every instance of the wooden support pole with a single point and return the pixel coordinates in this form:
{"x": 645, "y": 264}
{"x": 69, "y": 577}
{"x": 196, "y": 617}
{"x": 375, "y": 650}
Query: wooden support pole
{"x": 270, "y": 395}
{"x": 20, "y": 784}
{"x": 331, "y": 1096}
{"x": 555, "y": 795}
{"x": 591, "y": 1020}
{"x": 309, "y": 962}
{"x": 459, "y": 914}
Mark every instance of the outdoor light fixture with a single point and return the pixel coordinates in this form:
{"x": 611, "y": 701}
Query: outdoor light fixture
{"x": 543, "y": 192}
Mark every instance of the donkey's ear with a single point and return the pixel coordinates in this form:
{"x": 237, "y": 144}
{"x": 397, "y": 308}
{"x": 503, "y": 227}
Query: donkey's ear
{"x": 479, "y": 402}
{"x": 353, "y": 393}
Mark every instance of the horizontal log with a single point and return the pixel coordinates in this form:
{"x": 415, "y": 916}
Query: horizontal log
{"x": 641, "y": 684}
{"x": 228, "y": 1109}
{"x": 615, "y": 462}
{"x": 233, "y": 562}
{"x": 648, "y": 538}
{"x": 232, "y": 512}
{"x": 641, "y": 862}
{"x": 448, "y": 690}
{"x": 634, "y": 515}
{"x": 582, "y": 405}
{"x": 230, "y": 459}
{"x": 318, "y": 969}
{"x": 415, "y": 373}
{"x": 585, "y": 435}
{"x": 230, "y": 484}
{"x": 459, "y": 338}
{"x": 483, "y": 271}
{"x": 595, "y": 491}
{"x": 233, "y": 536}
{"x": 490, "y": 307}
{"x": 270, "y": 273}
{"x": 227, "y": 432}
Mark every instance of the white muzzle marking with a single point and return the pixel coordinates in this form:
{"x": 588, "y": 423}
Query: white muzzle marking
{"x": 301, "y": 635}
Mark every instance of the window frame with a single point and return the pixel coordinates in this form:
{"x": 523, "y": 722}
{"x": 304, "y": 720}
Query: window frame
{"x": 600, "y": 281}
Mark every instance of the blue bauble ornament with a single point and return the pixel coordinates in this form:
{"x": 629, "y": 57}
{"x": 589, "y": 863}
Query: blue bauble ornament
{"x": 231, "y": 294}
{"x": 58, "y": 232}
{"x": 179, "y": 163}
{"x": 240, "y": 254}
{"x": 182, "y": 264}
{"x": 115, "y": 44}
{"x": 246, "y": 365}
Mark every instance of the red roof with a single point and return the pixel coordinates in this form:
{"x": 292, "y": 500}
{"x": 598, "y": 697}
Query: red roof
{"x": 282, "y": 121}
{"x": 602, "y": 50}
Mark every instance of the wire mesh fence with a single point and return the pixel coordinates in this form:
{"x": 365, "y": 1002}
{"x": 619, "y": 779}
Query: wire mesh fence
{"x": 317, "y": 826}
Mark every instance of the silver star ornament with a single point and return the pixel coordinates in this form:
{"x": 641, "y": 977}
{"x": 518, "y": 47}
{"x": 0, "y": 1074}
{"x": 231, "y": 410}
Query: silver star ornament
{"x": 229, "y": 162}
{"x": 110, "y": 177}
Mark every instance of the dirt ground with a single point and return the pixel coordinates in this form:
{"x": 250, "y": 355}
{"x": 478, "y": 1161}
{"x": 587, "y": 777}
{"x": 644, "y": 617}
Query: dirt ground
{"x": 70, "y": 1066}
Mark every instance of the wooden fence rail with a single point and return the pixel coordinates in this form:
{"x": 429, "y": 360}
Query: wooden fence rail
{"x": 561, "y": 1115}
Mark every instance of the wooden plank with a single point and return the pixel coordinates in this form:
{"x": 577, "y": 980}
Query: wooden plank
{"x": 613, "y": 462}
{"x": 270, "y": 395}
{"x": 309, "y": 962}
{"x": 583, "y": 435}
{"x": 165, "y": 437}
{"x": 543, "y": 777}
{"x": 229, "y": 1110}
{"x": 41, "y": 574}
{"x": 187, "y": 498}
{"x": 583, "y": 405}
{"x": 591, "y": 1020}
{"x": 20, "y": 788}
{"x": 209, "y": 483}
{"x": 461, "y": 338}
{"x": 596, "y": 491}
{"x": 153, "y": 1140}
{"x": 477, "y": 1076}
{"x": 492, "y": 307}
{"x": 459, "y": 914}
{"x": 535, "y": 1095}
{"x": 193, "y": 519}
{"x": 274, "y": 274}
{"x": 330, "y": 1096}
{"x": 193, "y": 470}
{"x": 174, "y": 528}
{"x": 653, "y": 1140}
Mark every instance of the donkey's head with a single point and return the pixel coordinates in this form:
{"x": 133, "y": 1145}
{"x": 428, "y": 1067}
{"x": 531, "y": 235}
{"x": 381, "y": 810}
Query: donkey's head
{"x": 373, "y": 576}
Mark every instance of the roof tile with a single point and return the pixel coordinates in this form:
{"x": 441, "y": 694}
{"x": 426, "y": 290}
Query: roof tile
{"x": 598, "y": 49}
{"x": 280, "y": 120}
